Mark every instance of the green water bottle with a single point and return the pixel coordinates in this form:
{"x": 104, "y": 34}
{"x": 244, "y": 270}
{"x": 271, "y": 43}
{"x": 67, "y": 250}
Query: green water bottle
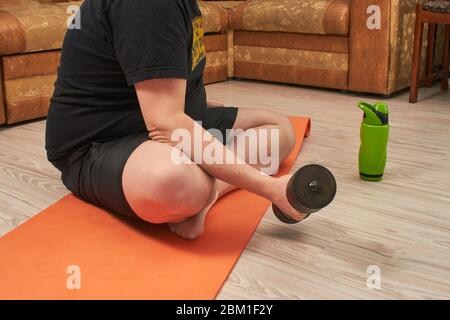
{"x": 374, "y": 140}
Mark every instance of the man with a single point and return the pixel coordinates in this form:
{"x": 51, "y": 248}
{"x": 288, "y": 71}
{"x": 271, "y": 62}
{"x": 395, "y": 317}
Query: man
{"x": 128, "y": 78}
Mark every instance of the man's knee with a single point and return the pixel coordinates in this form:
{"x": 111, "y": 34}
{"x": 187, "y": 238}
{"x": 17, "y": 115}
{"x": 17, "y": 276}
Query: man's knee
{"x": 186, "y": 185}
{"x": 177, "y": 191}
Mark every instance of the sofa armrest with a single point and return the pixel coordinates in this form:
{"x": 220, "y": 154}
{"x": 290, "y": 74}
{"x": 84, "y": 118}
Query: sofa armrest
{"x": 380, "y": 58}
{"x": 215, "y": 17}
{"x": 33, "y": 28}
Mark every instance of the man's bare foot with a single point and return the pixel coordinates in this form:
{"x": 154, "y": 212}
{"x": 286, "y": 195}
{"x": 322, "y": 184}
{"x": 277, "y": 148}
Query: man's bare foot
{"x": 194, "y": 226}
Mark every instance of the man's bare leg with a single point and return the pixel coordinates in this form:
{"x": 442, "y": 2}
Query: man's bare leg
{"x": 253, "y": 119}
{"x": 161, "y": 190}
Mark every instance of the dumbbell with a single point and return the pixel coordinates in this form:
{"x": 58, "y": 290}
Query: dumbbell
{"x": 309, "y": 190}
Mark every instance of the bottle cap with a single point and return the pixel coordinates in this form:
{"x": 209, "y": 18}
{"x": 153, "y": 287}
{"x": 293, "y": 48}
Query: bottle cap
{"x": 377, "y": 114}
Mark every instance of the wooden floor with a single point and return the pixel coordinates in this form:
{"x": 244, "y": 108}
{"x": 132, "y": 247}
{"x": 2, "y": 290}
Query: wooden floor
{"x": 401, "y": 225}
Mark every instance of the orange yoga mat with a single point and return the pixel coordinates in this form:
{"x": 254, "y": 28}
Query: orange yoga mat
{"x": 122, "y": 258}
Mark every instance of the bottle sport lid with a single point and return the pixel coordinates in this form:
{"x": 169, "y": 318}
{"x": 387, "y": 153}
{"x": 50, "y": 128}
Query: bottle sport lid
{"x": 377, "y": 114}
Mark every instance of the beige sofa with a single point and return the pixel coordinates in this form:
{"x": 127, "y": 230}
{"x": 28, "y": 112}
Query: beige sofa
{"x": 327, "y": 43}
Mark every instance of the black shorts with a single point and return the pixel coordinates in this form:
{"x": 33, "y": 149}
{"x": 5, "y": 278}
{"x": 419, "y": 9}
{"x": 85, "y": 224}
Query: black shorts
{"x": 94, "y": 172}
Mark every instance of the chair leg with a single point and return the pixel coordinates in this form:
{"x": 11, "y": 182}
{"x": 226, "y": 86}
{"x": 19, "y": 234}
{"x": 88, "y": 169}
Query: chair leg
{"x": 430, "y": 53}
{"x": 444, "y": 81}
{"x": 415, "y": 70}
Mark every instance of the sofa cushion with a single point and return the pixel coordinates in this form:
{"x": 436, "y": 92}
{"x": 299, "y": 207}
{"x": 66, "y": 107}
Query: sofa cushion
{"x": 41, "y": 27}
{"x": 215, "y": 17}
{"x": 27, "y": 3}
{"x": 28, "y": 83}
{"x": 17, "y": 3}
{"x": 300, "y": 16}
{"x": 33, "y": 28}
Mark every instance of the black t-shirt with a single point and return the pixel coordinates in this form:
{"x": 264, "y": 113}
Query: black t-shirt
{"x": 120, "y": 43}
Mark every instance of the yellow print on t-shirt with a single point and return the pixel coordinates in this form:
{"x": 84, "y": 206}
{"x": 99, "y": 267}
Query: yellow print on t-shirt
{"x": 198, "y": 47}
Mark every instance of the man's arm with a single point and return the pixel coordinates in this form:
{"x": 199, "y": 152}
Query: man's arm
{"x": 162, "y": 105}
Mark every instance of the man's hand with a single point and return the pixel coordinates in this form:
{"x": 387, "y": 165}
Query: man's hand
{"x": 279, "y": 198}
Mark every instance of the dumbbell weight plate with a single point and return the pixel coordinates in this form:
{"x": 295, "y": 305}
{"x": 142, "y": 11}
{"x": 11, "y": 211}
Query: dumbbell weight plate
{"x": 284, "y": 217}
{"x": 310, "y": 189}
